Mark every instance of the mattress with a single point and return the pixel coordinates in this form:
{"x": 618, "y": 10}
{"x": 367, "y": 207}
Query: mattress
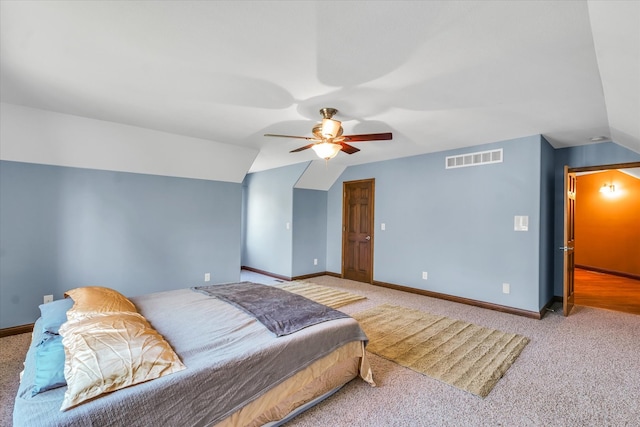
{"x": 232, "y": 362}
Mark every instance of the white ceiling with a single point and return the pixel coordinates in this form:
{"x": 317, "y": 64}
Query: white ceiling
{"x": 633, "y": 172}
{"x": 439, "y": 75}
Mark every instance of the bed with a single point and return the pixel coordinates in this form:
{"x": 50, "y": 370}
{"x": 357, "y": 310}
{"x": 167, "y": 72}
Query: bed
{"x": 237, "y": 372}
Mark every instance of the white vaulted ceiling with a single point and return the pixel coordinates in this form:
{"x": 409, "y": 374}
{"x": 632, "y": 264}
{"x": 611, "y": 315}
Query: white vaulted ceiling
{"x": 439, "y": 75}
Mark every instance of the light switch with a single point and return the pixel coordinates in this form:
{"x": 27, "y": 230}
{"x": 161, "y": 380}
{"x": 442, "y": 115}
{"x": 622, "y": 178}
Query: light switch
{"x": 521, "y": 223}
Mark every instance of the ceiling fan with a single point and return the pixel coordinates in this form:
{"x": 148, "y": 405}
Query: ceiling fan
{"x": 328, "y": 140}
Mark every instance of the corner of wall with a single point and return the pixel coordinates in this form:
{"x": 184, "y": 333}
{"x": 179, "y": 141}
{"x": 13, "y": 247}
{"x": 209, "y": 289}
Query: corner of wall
{"x": 546, "y": 238}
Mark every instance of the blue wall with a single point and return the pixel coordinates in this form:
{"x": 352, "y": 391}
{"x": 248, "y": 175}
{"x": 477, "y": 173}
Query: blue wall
{"x": 269, "y": 207}
{"x": 456, "y": 224}
{"x": 309, "y": 231}
{"x": 607, "y": 153}
{"x": 66, "y": 227}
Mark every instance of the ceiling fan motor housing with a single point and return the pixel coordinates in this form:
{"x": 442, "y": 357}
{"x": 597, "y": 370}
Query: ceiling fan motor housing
{"x": 327, "y": 113}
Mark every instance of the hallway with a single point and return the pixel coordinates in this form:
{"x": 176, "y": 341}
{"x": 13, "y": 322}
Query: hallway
{"x": 607, "y": 291}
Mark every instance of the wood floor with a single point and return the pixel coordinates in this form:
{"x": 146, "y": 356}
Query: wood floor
{"x": 602, "y": 290}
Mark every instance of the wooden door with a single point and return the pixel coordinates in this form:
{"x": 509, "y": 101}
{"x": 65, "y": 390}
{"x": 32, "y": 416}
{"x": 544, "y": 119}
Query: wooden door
{"x": 357, "y": 230}
{"x": 568, "y": 279}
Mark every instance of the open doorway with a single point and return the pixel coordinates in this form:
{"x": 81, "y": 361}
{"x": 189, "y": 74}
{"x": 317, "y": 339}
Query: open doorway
{"x": 607, "y": 237}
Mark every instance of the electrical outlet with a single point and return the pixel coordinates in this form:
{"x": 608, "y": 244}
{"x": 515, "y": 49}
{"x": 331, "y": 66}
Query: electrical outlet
{"x": 425, "y": 275}
{"x": 506, "y": 288}
{"x": 315, "y": 261}
{"x": 48, "y": 299}
{"x": 207, "y": 277}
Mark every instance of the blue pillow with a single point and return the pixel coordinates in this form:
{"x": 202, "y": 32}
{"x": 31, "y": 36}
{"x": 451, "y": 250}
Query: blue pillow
{"x": 49, "y": 364}
{"x": 54, "y": 314}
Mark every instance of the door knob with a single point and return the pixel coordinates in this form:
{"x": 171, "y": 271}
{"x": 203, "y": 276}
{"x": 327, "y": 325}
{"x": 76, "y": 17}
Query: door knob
{"x": 368, "y": 238}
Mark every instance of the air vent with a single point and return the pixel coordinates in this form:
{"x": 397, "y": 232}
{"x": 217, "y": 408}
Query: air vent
{"x": 474, "y": 159}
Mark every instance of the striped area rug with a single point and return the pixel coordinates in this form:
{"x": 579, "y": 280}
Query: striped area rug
{"x": 333, "y": 298}
{"x": 464, "y": 355}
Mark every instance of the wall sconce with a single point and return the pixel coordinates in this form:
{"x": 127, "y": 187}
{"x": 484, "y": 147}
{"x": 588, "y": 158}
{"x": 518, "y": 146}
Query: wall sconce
{"x": 608, "y": 189}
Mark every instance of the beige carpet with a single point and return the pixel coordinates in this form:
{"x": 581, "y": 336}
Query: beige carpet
{"x": 333, "y": 298}
{"x": 464, "y": 355}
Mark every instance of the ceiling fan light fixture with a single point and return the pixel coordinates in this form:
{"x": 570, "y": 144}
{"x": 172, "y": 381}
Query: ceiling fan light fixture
{"x": 326, "y": 150}
{"x": 330, "y": 128}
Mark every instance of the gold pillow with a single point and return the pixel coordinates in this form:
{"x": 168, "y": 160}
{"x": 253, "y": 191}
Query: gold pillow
{"x": 110, "y": 351}
{"x": 90, "y": 300}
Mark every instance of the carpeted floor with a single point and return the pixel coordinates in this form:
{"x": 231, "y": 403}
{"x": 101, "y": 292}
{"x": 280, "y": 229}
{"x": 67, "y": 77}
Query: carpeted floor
{"x": 470, "y": 357}
{"x": 12, "y": 352}
{"x": 583, "y": 370}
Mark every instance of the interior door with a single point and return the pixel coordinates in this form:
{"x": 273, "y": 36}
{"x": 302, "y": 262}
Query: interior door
{"x": 357, "y": 230}
{"x": 568, "y": 296}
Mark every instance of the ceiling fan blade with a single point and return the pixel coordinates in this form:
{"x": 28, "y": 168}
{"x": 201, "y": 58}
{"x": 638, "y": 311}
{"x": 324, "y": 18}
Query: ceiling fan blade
{"x": 349, "y": 149}
{"x": 308, "y": 138}
{"x": 302, "y": 148}
{"x": 368, "y": 137}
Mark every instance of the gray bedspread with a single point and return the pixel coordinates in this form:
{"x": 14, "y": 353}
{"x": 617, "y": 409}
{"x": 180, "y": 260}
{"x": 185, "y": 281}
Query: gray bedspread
{"x": 231, "y": 359}
{"x": 280, "y": 311}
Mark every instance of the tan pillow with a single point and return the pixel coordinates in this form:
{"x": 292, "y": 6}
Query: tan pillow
{"x": 90, "y": 300}
{"x": 110, "y": 351}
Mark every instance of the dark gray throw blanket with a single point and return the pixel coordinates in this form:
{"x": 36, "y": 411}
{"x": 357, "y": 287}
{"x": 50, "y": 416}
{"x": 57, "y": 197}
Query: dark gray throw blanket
{"x": 280, "y": 311}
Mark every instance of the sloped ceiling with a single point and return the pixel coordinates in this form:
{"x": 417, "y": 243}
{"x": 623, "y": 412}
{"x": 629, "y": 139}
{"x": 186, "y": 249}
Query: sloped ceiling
{"x": 439, "y": 75}
{"x": 634, "y": 172}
